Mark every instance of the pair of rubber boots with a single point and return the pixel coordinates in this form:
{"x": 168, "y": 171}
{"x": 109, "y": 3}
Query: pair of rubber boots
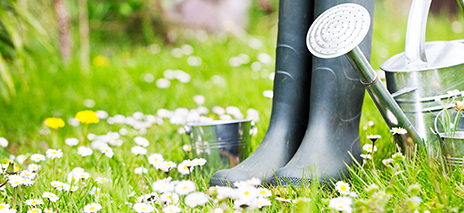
{"x": 316, "y": 108}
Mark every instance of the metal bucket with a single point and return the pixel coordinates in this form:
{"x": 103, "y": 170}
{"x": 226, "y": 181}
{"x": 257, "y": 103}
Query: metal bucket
{"x": 451, "y": 143}
{"x": 223, "y": 144}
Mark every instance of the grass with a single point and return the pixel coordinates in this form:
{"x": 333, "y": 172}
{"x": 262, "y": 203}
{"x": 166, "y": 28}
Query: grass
{"x": 57, "y": 90}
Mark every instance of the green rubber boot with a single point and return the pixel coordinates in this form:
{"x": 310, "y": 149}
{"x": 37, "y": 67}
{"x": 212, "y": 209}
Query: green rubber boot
{"x": 290, "y": 105}
{"x": 336, "y": 99}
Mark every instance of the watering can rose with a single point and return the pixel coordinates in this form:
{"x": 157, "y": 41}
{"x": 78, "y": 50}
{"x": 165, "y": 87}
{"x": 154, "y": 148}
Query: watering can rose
{"x": 87, "y": 117}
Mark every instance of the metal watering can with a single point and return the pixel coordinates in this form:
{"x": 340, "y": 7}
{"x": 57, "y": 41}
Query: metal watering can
{"x": 423, "y": 73}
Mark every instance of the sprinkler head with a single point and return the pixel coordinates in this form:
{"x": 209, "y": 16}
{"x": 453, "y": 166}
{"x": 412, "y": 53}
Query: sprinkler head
{"x": 338, "y": 30}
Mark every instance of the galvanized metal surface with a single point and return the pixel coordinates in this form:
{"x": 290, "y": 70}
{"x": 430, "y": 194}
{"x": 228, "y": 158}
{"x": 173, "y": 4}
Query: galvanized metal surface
{"x": 424, "y": 73}
{"x": 222, "y": 143}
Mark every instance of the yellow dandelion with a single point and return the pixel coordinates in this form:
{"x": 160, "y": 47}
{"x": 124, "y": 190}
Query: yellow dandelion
{"x": 54, "y": 123}
{"x": 100, "y": 61}
{"x": 87, "y": 117}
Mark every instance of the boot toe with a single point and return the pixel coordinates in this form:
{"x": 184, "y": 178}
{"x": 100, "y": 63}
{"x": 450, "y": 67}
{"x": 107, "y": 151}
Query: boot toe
{"x": 287, "y": 176}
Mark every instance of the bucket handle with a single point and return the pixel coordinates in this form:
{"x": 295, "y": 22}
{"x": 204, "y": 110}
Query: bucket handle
{"x": 415, "y": 35}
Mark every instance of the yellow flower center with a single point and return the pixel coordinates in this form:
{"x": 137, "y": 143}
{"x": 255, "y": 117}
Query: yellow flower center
{"x": 54, "y": 153}
{"x": 2, "y": 206}
{"x": 34, "y": 202}
{"x": 92, "y": 208}
{"x": 343, "y": 188}
{"x": 247, "y": 193}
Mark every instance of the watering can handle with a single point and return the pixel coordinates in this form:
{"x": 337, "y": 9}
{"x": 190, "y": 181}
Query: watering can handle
{"x": 415, "y": 35}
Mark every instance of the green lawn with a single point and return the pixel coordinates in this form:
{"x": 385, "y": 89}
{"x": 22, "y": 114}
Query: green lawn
{"x": 127, "y": 83}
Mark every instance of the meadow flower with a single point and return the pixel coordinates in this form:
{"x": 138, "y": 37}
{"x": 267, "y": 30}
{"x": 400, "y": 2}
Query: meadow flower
{"x": 218, "y": 210}
{"x": 222, "y": 192}
{"x": 138, "y": 150}
{"x": 56, "y": 184}
{"x": 365, "y": 157}
{"x": 3, "y": 142}
{"x": 34, "y": 210}
{"x": 53, "y": 153}
{"x": 108, "y": 151}
{"x": 34, "y": 202}
{"x": 398, "y": 130}
{"x": 166, "y": 166}
{"x": 49, "y": 210}
{"x": 95, "y": 191}
{"x": 198, "y": 161}
{"x": 164, "y": 185}
{"x": 373, "y": 138}
{"x": 342, "y": 187}
{"x": 100, "y": 61}
{"x": 87, "y": 117}
{"x": 64, "y": 186}
{"x": 247, "y": 193}
{"x": 54, "y": 123}
{"x": 140, "y": 170}
{"x": 369, "y": 148}
{"x": 143, "y": 207}
{"x": 37, "y": 157}
{"x": 141, "y": 141}
{"x": 84, "y": 151}
{"x": 71, "y": 141}
{"x": 27, "y": 182}
{"x": 387, "y": 161}
{"x": 263, "y": 192}
{"x": 15, "y": 180}
{"x": 196, "y": 199}
{"x": 261, "y": 202}
{"x": 199, "y": 99}
{"x": 27, "y": 174}
{"x": 183, "y": 169}
{"x": 172, "y": 209}
{"x": 150, "y": 198}
{"x": 155, "y": 158}
{"x": 50, "y": 196}
{"x": 93, "y": 207}
{"x": 184, "y": 187}
{"x": 187, "y": 148}
{"x": 169, "y": 198}
{"x": 342, "y": 204}
{"x": 101, "y": 180}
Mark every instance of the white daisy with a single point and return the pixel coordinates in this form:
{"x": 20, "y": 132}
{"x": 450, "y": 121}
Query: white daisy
{"x": 54, "y": 153}
{"x": 342, "y": 204}
{"x": 71, "y": 141}
{"x": 369, "y": 148}
{"x": 155, "y": 158}
{"x": 50, "y": 196}
{"x": 172, "y": 209}
{"x": 37, "y": 157}
{"x": 184, "y": 187}
{"x": 342, "y": 187}
{"x": 169, "y": 198}
{"x": 33, "y": 167}
{"x": 93, "y": 207}
{"x": 102, "y": 180}
{"x": 143, "y": 207}
{"x": 141, "y": 141}
{"x": 398, "y": 130}
{"x": 138, "y": 150}
{"x": 84, "y": 151}
{"x": 34, "y": 202}
{"x": 140, "y": 170}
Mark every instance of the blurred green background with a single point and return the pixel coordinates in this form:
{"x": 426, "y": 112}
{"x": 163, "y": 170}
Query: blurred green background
{"x": 56, "y": 56}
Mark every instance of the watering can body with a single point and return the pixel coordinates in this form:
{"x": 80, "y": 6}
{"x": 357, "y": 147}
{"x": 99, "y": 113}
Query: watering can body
{"x": 420, "y": 77}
